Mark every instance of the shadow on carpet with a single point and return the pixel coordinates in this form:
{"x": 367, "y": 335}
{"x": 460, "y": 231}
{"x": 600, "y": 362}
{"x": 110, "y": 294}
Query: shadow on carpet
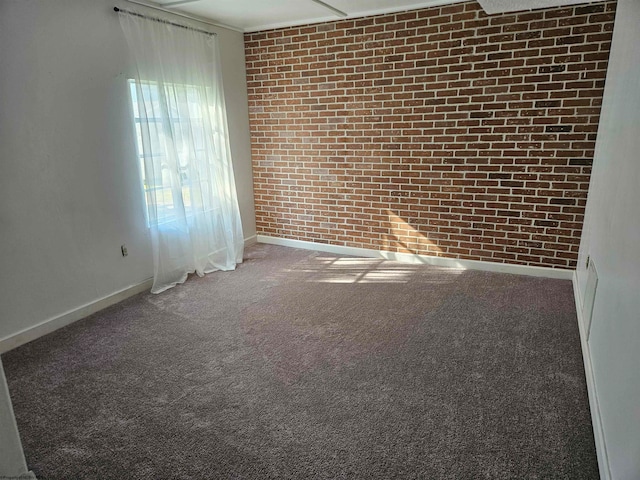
{"x": 310, "y": 365}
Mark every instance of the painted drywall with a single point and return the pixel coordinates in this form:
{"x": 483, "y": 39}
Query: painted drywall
{"x": 69, "y": 187}
{"x": 12, "y": 463}
{"x": 611, "y": 238}
{"x": 235, "y": 88}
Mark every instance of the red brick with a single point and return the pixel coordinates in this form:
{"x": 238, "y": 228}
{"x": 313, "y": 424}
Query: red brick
{"x": 438, "y": 131}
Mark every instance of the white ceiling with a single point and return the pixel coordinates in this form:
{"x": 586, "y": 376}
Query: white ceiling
{"x": 256, "y": 15}
{"x": 504, "y": 6}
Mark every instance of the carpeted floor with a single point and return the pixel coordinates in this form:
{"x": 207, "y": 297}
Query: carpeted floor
{"x": 303, "y": 365}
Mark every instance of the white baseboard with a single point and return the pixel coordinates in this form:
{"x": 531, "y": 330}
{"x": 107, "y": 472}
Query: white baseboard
{"x": 596, "y": 419}
{"x": 64, "y": 319}
{"x": 250, "y": 241}
{"x": 423, "y": 259}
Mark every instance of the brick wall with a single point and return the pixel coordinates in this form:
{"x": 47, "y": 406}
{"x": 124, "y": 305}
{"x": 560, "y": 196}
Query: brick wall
{"x": 439, "y": 131}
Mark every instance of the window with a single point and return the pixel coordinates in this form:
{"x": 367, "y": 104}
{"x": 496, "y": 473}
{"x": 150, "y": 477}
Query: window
{"x": 169, "y": 176}
{"x": 183, "y": 156}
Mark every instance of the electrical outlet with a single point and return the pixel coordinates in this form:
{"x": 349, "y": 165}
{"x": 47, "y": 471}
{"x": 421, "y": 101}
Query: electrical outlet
{"x": 123, "y": 249}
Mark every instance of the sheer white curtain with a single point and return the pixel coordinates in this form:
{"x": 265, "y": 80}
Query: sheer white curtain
{"x": 180, "y": 118}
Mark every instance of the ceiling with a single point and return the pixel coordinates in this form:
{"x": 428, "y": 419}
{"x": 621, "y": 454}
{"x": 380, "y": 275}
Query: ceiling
{"x": 256, "y": 15}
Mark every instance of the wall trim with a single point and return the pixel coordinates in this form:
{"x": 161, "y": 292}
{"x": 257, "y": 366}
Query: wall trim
{"x": 594, "y": 405}
{"x": 70, "y": 316}
{"x": 361, "y": 14}
{"x": 52, "y": 324}
{"x": 423, "y": 259}
{"x": 252, "y": 240}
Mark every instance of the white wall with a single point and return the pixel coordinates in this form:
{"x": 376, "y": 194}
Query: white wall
{"x": 12, "y": 463}
{"x": 69, "y": 191}
{"x": 611, "y": 238}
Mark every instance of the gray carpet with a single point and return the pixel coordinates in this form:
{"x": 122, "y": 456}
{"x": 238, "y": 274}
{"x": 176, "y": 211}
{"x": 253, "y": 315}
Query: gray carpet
{"x": 309, "y": 365}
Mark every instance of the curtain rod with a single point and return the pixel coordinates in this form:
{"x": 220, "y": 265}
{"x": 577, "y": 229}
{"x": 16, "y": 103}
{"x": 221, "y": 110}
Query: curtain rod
{"x": 184, "y": 15}
{"x": 161, "y": 20}
{"x": 117, "y": 9}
